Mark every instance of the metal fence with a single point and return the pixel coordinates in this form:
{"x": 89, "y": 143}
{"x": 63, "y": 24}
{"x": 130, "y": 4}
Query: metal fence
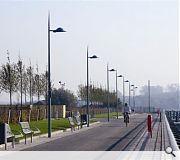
{"x": 173, "y": 115}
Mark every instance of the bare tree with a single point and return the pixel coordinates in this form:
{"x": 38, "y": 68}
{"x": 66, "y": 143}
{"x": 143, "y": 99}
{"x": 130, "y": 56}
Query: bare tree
{"x": 37, "y": 83}
{"x": 29, "y": 72}
{"x": 9, "y": 80}
{"x": 25, "y": 85}
{"x": 44, "y": 87}
{"x": 20, "y": 69}
{"x": 43, "y": 84}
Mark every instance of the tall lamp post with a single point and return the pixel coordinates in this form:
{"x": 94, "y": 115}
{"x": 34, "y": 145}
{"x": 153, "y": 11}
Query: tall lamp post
{"x": 123, "y": 88}
{"x": 135, "y": 97}
{"x": 108, "y": 90}
{"x": 129, "y": 91}
{"x": 116, "y": 96}
{"x": 111, "y": 70}
{"x": 49, "y": 74}
{"x": 149, "y": 95}
{"x": 117, "y": 92}
{"x": 134, "y": 88}
{"x": 87, "y": 110}
{"x": 133, "y": 93}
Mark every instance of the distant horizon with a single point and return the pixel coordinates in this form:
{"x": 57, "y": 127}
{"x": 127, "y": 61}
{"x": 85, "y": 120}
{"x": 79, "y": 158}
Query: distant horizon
{"x": 6, "y": 95}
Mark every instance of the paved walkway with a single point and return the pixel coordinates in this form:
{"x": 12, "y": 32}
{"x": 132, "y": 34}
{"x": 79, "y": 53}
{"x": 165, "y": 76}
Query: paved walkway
{"x": 104, "y": 136}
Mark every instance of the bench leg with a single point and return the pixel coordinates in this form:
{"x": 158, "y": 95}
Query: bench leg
{"x": 5, "y": 146}
{"x": 13, "y": 142}
{"x": 25, "y": 138}
{"x": 31, "y": 138}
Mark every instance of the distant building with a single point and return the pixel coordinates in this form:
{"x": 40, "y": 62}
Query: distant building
{"x": 81, "y": 103}
{"x": 42, "y": 102}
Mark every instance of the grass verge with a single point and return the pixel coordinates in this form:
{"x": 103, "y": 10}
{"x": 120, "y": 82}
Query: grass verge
{"x": 42, "y": 125}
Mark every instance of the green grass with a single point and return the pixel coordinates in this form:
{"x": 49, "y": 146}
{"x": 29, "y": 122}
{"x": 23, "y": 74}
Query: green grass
{"x": 105, "y": 115}
{"x": 42, "y": 125}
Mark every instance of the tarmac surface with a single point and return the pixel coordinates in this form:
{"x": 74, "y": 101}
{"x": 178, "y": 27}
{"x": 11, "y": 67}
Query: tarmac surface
{"x": 104, "y": 136}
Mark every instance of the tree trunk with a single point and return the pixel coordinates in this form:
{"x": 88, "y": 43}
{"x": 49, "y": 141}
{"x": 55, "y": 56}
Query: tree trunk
{"x": 29, "y": 119}
{"x": 9, "y": 113}
{"x": 25, "y": 96}
{"x": 21, "y": 95}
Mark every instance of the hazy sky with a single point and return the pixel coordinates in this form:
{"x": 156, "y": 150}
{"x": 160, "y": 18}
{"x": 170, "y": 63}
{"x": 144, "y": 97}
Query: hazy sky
{"x": 138, "y": 38}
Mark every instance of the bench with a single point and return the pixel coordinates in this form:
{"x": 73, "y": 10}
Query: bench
{"x": 71, "y": 122}
{"x": 10, "y": 136}
{"x": 83, "y": 119}
{"x": 26, "y": 130}
{"x": 78, "y": 121}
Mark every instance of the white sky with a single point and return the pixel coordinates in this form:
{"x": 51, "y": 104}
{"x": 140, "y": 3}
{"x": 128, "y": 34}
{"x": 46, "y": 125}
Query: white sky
{"x": 138, "y": 38}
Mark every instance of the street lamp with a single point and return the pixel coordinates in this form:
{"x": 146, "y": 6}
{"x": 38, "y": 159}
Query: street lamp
{"x": 133, "y": 93}
{"x": 134, "y": 103}
{"x": 116, "y": 91}
{"x": 135, "y": 97}
{"x": 116, "y": 95}
{"x": 111, "y": 70}
{"x": 149, "y": 95}
{"x": 129, "y": 91}
{"x": 49, "y": 74}
{"x": 87, "y": 112}
{"x": 123, "y": 88}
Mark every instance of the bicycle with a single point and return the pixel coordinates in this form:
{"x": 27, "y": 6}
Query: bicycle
{"x": 126, "y": 118}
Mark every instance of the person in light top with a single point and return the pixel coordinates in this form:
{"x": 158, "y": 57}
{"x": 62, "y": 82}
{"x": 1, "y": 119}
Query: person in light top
{"x": 127, "y": 111}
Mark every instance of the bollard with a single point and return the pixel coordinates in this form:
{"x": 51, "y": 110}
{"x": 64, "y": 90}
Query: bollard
{"x": 160, "y": 117}
{"x": 177, "y": 116}
{"x": 150, "y": 124}
{"x": 158, "y": 112}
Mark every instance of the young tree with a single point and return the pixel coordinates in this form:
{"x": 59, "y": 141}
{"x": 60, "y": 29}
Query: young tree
{"x": 37, "y": 84}
{"x": 33, "y": 87}
{"x": 44, "y": 84}
{"x": 20, "y": 69}
{"x": 9, "y": 80}
{"x": 29, "y": 72}
{"x": 81, "y": 92}
{"x": 25, "y": 85}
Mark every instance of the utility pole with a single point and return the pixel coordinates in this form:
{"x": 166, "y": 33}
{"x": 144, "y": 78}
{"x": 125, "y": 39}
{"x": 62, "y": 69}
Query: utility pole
{"x": 149, "y": 92}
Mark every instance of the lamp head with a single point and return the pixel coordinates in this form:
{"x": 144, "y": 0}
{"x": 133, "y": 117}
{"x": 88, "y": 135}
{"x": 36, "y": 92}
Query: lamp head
{"x": 112, "y": 70}
{"x": 59, "y": 30}
{"x": 94, "y": 56}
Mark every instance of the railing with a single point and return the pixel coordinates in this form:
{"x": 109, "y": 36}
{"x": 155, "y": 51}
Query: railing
{"x": 171, "y": 130}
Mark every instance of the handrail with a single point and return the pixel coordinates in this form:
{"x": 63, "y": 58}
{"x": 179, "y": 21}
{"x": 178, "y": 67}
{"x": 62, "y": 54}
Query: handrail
{"x": 171, "y": 136}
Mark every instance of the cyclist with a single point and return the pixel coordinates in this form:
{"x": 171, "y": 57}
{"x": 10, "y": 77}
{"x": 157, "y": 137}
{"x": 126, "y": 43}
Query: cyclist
{"x": 126, "y": 111}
